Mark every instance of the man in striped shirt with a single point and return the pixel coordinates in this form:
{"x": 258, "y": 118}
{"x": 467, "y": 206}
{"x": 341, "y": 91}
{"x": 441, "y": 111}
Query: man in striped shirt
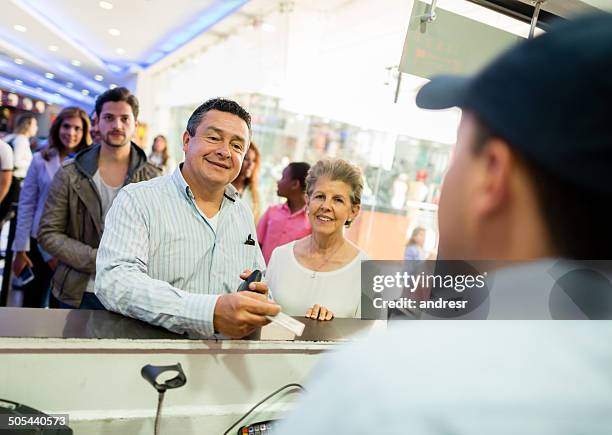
{"x": 174, "y": 248}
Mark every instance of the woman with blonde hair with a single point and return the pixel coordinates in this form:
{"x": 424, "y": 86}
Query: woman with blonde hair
{"x": 246, "y": 182}
{"x": 68, "y": 135}
{"x": 320, "y": 275}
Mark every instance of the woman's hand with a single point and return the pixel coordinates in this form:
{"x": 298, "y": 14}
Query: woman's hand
{"x": 20, "y": 262}
{"x": 320, "y": 313}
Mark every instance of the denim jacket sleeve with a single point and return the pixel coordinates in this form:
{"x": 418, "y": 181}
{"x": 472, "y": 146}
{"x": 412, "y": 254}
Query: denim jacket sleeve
{"x": 28, "y": 200}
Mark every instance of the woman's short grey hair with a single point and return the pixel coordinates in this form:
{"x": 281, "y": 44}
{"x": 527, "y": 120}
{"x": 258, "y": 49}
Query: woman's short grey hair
{"x": 337, "y": 170}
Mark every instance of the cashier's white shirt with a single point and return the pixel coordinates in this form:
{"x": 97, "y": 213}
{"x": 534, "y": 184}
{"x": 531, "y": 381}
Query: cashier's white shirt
{"x": 295, "y": 289}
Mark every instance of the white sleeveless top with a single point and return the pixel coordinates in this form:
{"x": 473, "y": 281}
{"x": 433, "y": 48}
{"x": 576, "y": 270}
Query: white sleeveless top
{"x": 296, "y": 288}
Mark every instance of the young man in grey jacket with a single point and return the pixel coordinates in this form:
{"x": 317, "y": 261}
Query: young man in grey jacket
{"x": 82, "y": 192}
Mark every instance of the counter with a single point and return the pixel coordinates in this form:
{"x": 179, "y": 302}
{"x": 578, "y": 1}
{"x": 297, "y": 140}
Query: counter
{"x": 87, "y": 364}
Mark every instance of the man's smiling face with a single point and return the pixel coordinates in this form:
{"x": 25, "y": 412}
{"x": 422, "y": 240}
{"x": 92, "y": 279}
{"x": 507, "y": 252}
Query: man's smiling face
{"x": 214, "y": 154}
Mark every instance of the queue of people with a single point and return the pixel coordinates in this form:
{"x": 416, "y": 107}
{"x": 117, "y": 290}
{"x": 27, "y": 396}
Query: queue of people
{"x": 177, "y": 260}
{"x": 83, "y": 191}
{"x": 190, "y": 250}
{"x": 68, "y": 135}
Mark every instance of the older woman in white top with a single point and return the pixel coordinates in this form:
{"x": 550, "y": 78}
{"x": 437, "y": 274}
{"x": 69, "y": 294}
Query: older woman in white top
{"x": 320, "y": 275}
{"x": 68, "y": 134}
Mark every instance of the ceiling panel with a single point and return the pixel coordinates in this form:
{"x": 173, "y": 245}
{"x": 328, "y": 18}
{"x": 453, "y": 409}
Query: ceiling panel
{"x": 79, "y": 48}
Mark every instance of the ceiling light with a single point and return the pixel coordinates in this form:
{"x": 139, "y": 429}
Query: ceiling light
{"x": 20, "y": 28}
{"x": 69, "y": 84}
{"x": 120, "y": 51}
{"x": 18, "y": 61}
{"x": 52, "y": 48}
{"x": 112, "y": 86}
{"x": 114, "y": 32}
{"x": 50, "y": 75}
{"x": 18, "y": 82}
{"x": 98, "y": 77}
{"x": 105, "y": 5}
{"x": 76, "y": 62}
{"x": 267, "y": 27}
{"x": 85, "y": 92}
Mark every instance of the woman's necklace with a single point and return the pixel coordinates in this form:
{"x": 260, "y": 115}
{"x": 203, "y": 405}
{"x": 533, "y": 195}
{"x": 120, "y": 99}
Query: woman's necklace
{"x": 325, "y": 259}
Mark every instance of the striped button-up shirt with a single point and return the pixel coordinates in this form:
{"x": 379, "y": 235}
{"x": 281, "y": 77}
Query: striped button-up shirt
{"x": 162, "y": 262}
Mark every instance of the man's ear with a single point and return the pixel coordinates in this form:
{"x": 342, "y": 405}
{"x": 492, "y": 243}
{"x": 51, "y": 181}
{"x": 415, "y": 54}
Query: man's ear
{"x": 186, "y": 138}
{"x": 496, "y": 165}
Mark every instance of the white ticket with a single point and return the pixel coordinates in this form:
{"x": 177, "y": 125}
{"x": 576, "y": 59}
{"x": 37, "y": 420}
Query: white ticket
{"x": 288, "y": 322}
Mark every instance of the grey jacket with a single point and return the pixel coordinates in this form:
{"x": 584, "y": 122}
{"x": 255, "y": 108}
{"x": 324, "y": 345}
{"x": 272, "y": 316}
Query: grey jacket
{"x": 71, "y": 225}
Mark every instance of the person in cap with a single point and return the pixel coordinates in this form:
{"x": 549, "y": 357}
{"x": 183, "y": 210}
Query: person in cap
{"x": 529, "y": 180}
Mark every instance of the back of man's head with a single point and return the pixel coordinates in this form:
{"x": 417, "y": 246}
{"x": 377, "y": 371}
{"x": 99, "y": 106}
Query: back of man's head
{"x": 116, "y": 95}
{"x": 298, "y": 171}
{"x": 23, "y": 123}
{"x": 220, "y": 104}
{"x": 576, "y": 218}
{"x": 548, "y": 100}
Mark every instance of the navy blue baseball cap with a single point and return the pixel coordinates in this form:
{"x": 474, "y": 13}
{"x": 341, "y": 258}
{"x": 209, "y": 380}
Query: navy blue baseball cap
{"x": 550, "y": 97}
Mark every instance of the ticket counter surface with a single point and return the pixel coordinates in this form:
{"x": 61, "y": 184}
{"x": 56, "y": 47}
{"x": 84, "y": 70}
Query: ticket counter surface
{"x": 87, "y": 364}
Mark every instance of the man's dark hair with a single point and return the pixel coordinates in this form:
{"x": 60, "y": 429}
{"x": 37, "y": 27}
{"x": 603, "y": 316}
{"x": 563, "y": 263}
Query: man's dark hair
{"x": 117, "y": 95}
{"x": 577, "y": 219}
{"x": 298, "y": 171}
{"x": 220, "y": 104}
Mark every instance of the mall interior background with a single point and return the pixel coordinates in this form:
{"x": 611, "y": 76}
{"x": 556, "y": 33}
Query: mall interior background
{"x": 320, "y": 78}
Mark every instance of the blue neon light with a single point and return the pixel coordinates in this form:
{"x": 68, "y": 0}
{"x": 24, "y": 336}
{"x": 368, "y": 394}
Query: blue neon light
{"x": 93, "y": 85}
{"x": 26, "y": 75}
{"x": 71, "y": 74}
{"x": 114, "y": 68}
{"x": 32, "y": 92}
{"x": 218, "y": 10}
{"x": 215, "y": 13}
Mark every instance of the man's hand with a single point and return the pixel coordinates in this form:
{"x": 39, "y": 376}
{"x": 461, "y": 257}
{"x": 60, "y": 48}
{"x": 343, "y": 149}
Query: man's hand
{"x": 238, "y": 314}
{"x": 20, "y": 262}
{"x": 259, "y": 287}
